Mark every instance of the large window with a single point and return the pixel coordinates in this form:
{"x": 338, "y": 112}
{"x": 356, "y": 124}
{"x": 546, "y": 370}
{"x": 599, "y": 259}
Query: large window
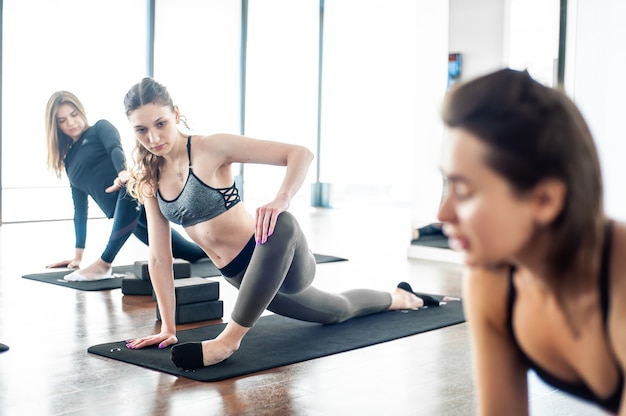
{"x": 372, "y": 81}
{"x": 534, "y": 38}
{"x": 202, "y": 68}
{"x": 95, "y": 50}
{"x": 369, "y": 99}
{"x": 282, "y": 76}
{"x": 197, "y": 57}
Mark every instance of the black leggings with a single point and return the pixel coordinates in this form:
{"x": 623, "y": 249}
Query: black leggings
{"x": 278, "y": 277}
{"x": 130, "y": 218}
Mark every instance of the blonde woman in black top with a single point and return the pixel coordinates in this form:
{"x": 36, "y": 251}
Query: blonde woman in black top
{"x": 95, "y": 164}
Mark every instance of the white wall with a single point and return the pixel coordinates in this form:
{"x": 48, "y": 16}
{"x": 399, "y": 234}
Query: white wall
{"x": 431, "y": 76}
{"x": 596, "y": 83}
{"x": 490, "y": 35}
{"x": 477, "y": 31}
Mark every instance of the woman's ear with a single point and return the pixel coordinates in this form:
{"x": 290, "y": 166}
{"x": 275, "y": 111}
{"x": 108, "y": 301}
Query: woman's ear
{"x": 177, "y": 114}
{"x": 548, "y": 199}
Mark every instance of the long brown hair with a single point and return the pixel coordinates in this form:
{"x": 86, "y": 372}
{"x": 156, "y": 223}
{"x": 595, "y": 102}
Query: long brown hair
{"x": 534, "y": 132}
{"x": 58, "y": 142}
{"x": 144, "y": 175}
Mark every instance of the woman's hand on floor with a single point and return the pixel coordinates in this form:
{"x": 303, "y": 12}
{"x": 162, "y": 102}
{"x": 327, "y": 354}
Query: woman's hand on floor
{"x": 163, "y": 339}
{"x": 70, "y": 264}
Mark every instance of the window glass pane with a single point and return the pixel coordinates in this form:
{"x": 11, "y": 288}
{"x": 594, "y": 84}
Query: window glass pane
{"x": 197, "y": 57}
{"x": 282, "y": 80}
{"x": 197, "y": 50}
{"x": 95, "y": 50}
{"x": 534, "y": 38}
{"x": 369, "y": 99}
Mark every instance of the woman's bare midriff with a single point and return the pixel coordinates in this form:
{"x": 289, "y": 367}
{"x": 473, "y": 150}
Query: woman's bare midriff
{"x": 224, "y": 236}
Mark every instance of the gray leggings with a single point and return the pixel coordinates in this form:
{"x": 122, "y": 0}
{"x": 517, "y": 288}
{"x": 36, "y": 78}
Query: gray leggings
{"x": 278, "y": 277}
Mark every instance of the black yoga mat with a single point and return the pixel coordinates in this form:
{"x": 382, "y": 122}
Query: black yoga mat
{"x": 277, "y": 341}
{"x": 203, "y": 268}
{"x": 438, "y": 241}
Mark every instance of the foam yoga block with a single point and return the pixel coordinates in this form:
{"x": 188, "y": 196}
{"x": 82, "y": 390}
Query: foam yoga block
{"x": 196, "y": 312}
{"x": 132, "y": 285}
{"x": 195, "y": 289}
{"x": 182, "y": 269}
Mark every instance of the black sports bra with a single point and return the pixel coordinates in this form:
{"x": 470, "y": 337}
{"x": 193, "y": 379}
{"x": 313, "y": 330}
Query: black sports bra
{"x": 580, "y": 390}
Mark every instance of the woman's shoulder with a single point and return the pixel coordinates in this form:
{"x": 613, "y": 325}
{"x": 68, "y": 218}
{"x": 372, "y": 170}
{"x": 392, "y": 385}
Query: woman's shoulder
{"x": 213, "y": 138}
{"x": 104, "y": 125}
{"x": 484, "y": 280}
{"x": 216, "y": 143}
{"x": 486, "y": 292}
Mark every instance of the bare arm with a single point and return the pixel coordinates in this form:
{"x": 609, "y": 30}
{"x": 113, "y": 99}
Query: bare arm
{"x": 161, "y": 275}
{"x": 499, "y": 372}
{"x": 240, "y": 149}
{"x": 298, "y": 160}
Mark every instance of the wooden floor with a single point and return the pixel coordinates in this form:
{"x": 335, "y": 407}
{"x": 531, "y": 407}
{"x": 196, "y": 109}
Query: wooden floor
{"x": 47, "y": 370}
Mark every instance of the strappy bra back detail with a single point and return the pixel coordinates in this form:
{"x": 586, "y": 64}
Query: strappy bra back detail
{"x": 581, "y": 390}
{"x": 198, "y": 202}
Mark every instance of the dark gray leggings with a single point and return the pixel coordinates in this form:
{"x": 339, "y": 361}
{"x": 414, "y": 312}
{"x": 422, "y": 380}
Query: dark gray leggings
{"x": 279, "y": 276}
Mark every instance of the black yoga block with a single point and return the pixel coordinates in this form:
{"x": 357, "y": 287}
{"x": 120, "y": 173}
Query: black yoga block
{"x": 195, "y": 289}
{"x": 182, "y": 269}
{"x": 132, "y": 285}
{"x": 196, "y": 312}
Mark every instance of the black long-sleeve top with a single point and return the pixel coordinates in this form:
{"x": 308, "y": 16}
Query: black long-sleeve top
{"x": 91, "y": 164}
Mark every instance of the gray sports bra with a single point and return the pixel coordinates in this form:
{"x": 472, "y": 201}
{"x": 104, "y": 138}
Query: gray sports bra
{"x": 198, "y": 202}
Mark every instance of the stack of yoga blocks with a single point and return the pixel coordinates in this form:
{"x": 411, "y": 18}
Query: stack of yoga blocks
{"x": 197, "y": 298}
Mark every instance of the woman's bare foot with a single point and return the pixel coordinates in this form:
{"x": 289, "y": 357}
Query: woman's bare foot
{"x": 402, "y": 299}
{"x": 96, "y": 271}
{"x": 192, "y": 355}
{"x": 224, "y": 345}
{"x": 215, "y": 351}
{"x": 404, "y": 294}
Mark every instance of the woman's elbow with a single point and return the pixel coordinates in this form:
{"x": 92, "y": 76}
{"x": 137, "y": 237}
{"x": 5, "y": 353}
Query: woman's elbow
{"x": 306, "y": 154}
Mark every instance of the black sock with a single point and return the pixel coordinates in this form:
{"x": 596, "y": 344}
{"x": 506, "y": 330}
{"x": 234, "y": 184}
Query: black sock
{"x": 188, "y": 355}
{"x": 428, "y": 300}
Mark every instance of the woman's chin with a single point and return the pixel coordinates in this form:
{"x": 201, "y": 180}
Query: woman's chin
{"x": 457, "y": 245}
{"x": 466, "y": 256}
{"x": 470, "y": 261}
{"x": 470, "y": 257}
{"x": 484, "y": 263}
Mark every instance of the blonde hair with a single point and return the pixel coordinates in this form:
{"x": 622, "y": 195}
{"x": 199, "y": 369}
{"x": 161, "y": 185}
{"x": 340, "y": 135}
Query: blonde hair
{"x": 59, "y": 143}
{"x": 144, "y": 174}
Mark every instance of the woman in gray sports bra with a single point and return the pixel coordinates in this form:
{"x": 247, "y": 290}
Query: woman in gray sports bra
{"x": 544, "y": 288}
{"x": 189, "y": 181}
